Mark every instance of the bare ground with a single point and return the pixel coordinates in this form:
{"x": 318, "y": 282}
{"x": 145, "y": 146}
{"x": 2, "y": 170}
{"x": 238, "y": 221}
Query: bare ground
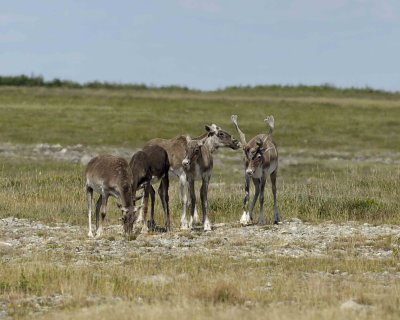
{"x": 21, "y": 240}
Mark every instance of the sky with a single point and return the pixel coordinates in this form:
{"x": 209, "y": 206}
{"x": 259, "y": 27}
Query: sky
{"x": 204, "y": 44}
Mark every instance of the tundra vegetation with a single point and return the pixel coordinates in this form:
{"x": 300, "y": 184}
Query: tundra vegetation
{"x": 339, "y": 168}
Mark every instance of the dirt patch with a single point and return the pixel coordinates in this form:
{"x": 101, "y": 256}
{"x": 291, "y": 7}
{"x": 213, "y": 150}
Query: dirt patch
{"x": 21, "y": 239}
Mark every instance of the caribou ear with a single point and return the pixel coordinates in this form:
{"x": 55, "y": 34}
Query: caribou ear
{"x": 210, "y": 129}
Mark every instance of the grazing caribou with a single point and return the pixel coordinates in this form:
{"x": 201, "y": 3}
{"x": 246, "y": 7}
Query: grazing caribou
{"x": 148, "y": 166}
{"x": 176, "y": 149}
{"x": 197, "y": 165}
{"x": 110, "y": 176}
{"x": 261, "y": 161}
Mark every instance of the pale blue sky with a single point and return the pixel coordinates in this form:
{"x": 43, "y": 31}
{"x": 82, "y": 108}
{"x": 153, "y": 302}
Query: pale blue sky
{"x": 204, "y": 44}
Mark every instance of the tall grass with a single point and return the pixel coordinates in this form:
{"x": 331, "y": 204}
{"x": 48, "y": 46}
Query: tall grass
{"x": 54, "y": 192}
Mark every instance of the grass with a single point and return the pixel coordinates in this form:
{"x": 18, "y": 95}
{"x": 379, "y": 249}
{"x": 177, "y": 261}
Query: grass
{"x": 283, "y": 283}
{"x": 71, "y": 116}
{"x": 320, "y": 133}
{"x": 54, "y": 192}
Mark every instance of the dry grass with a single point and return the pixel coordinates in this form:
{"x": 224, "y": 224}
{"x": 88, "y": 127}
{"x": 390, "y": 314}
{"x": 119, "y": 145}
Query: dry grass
{"x": 307, "y": 286}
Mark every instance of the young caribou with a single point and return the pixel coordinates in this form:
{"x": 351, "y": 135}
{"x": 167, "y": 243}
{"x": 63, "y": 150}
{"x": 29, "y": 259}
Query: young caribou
{"x": 109, "y": 176}
{"x": 176, "y": 149}
{"x": 148, "y": 166}
{"x": 197, "y": 165}
{"x": 261, "y": 161}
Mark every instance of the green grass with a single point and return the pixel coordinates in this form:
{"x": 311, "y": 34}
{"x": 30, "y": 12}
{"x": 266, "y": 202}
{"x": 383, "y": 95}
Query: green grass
{"x": 309, "y": 127}
{"x": 54, "y": 192}
{"x": 130, "y": 118}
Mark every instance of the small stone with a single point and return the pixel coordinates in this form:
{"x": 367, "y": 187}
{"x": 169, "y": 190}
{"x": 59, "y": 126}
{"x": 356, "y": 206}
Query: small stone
{"x": 351, "y": 305}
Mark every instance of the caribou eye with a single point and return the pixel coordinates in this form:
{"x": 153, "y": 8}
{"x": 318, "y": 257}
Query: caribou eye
{"x": 220, "y": 134}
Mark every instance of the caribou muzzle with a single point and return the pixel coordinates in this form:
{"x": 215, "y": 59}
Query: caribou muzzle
{"x": 186, "y": 164}
{"x": 249, "y": 172}
{"x": 235, "y": 144}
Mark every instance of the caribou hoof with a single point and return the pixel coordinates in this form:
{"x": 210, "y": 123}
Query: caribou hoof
{"x": 184, "y": 225}
{"x": 151, "y": 224}
{"x": 207, "y": 226}
{"x": 245, "y": 219}
{"x": 145, "y": 229}
{"x": 261, "y": 221}
{"x": 90, "y": 234}
{"x": 196, "y": 217}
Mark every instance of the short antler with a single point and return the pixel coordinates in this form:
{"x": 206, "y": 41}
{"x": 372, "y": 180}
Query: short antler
{"x": 241, "y": 134}
{"x": 270, "y": 122}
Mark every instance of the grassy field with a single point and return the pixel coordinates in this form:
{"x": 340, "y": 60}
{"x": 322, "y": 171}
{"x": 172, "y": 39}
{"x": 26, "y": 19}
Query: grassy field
{"x": 340, "y": 161}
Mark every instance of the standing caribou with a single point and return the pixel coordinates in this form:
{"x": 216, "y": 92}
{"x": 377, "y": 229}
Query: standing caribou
{"x": 176, "y": 148}
{"x": 148, "y": 166}
{"x": 197, "y": 165}
{"x": 110, "y": 176}
{"x": 261, "y": 161}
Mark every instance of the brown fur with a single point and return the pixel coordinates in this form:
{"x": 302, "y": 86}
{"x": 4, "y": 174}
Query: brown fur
{"x": 261, "y": 160}
{"x": 152, "y": 162}
{"x": 176, "y": 149}
{"x": 197, "y": 165}
{"x": 109, "y": 176}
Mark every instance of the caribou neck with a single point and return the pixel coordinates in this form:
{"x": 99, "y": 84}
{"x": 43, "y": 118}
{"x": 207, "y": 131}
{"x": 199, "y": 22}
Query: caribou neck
{"x": 210, "y": 144}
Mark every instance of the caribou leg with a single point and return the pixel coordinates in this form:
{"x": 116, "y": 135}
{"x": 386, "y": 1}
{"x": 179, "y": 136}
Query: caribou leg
{"x": 148, "y": 190}
{"x": 245, "y": 219}
{"x": 151, "y": 224}
{"x": 192, "y": 201}
{"x": 89, "y": 195}
{"x": 261, "y": 217}
{"x": 183, "y": 185}
{"x": 99, "y": 222}
{"x": 163, "y": 193}
{"x": 256, "y": 183}
{"x": 273, "y": 183}
{"x": 97, "y": 214}
{"x": 204, "y": 203}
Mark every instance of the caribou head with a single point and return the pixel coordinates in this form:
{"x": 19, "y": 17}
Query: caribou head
{"x": 193, "y": 151}
{"x": 216, "y": 138}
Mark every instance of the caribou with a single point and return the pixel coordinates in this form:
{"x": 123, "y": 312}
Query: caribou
{"x": 109, "y": 175}
{"x": 149, "y": 166}
{"x": 197, "y": 165}
{"x": 261, "y": 161}
{"x": 176, "y": 150}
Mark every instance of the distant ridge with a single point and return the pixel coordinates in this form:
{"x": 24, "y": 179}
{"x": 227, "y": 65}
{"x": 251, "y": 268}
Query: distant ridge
{"x": 39, "y": 81}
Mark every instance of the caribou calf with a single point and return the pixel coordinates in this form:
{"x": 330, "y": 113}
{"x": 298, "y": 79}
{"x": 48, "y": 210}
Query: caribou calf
{"x": 197, "y": 165}
{"x": 109, "y": 176}
{"x": 261, "y": 161}
{"x": 176, "y": 148}
{"x": 148, "y": 166}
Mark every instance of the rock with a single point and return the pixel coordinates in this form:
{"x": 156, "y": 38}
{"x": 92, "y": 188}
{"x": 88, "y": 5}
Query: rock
{"x": 296, "y": 220}
{"x": 85, "y": 159}
{"x": 352, "y": 305}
